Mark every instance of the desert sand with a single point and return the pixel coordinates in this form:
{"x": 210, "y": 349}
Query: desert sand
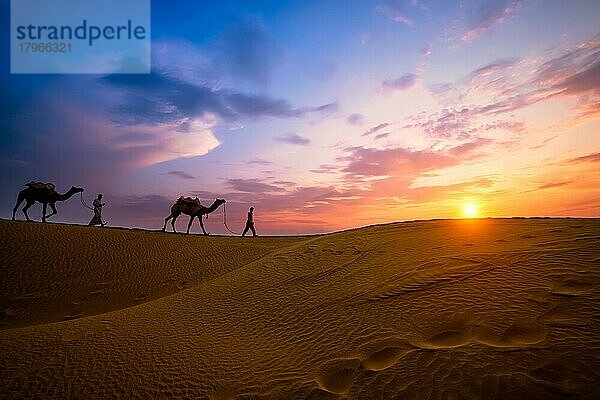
{"x": 443, "y": 309}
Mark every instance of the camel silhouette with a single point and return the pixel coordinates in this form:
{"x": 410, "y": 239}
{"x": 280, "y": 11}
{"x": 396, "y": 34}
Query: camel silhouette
{"x": 193, "y": 208}
{"x": 42, "y": 193}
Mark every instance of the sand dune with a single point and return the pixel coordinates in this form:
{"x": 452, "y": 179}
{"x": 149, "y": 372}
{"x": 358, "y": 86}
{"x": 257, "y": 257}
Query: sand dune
{"x": 503, "y": 308}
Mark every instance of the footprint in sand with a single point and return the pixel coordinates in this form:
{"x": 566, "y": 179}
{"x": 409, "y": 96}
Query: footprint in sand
{"x": 522, "y": 332}
{"x": 336, "y": 376}
{"x": 448, "y": 339}
{"x": 573, "y": 285}
{"x": 564, "y": 313}
{"x": 454, "y": 333}
{"x": 384, "y": 353}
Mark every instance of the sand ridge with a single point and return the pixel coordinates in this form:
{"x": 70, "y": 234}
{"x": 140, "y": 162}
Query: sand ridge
{"x": 499, "y": 308}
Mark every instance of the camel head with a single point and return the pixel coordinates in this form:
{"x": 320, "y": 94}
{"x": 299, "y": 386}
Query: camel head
{"x": 75, "y": 189}
{"x": 216, "y": 204}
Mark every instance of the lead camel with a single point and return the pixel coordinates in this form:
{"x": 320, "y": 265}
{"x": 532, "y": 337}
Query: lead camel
{"x": 42, "y": 193}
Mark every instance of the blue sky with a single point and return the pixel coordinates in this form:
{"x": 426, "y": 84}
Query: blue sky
{"x": 324, "y": 115}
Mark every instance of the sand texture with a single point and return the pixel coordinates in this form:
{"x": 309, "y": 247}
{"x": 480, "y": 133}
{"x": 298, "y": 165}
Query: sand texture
{"x": 449, "y": 309}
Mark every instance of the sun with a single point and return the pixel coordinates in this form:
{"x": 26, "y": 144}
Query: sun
{"x": 470, "y": 210}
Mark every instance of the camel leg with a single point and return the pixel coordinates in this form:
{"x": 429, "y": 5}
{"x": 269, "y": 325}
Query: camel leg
{"x": 20, "y": 199}
{"x": 190, "y": 224}
{"x": 173, "y": 222}
{"x": 202, "y": 225}
{"x": 173, "y": 217}
{"x": 29, "y": 204}
{"x": 53, "y": 207}
{"x": 44, "y": 208}
{"x": 166, "y": 220}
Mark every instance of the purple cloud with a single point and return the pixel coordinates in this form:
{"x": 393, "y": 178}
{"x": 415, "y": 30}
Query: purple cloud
{"x": 181, "y": 174}
{"x": 375, "y": 129}
{"x": 293, "y": 138}
{"x": 258, "y": 161}
{"x": 355, "y": 119}
{"x": 498, "y": 66}
{"x": 326, "y": 108}
{"x": 252, "y": 186}
{"x": 405, "y": 82}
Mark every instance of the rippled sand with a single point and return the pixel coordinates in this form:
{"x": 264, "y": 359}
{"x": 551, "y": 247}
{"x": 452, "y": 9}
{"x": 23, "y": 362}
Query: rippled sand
{"x": 502, "y": 308}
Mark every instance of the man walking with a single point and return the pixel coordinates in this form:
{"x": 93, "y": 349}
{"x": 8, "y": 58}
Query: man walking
{"x": 250, "y": 223}
{"x": 98, "y": 204}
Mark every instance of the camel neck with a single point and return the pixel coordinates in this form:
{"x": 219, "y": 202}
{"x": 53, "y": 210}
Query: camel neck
{"x": 213, "y": 207}
{"x": 66, "y": 195}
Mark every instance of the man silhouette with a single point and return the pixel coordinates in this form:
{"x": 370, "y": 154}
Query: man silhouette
{"x": 250, "y": 223}
{"x": 98, "y": 204}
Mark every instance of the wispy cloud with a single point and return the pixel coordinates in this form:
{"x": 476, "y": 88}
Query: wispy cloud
{"x": 326, "y": 169}
{"x": 252, "y": 186}
{"x": 489, "y": 14}
{"x": 293, "y": 138}
{"x": 406, "y": 162}
{"x": 398, "y": 10}
{"x": 594, "y": 157}
{"x": 500, "y": 66}
{"x": 376, "y": 128}
{"x": 258, "y": 161}
{"x": 181, "y": 174}
{"x": 551, "y": 185}
{"x": 514, "y": 84}
{"x": 404, "y": 82}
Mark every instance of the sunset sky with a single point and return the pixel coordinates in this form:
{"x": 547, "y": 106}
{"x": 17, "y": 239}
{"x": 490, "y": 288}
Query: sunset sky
{"x": 323, "y": 115}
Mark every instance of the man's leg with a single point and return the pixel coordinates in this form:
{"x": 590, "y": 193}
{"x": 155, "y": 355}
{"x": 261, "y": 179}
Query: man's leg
{"x": 245, "y": 230}
{"x": 253, "y": 230}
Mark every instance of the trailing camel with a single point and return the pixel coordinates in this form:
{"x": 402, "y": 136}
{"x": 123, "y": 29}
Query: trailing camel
{"x": 193, "y": 208}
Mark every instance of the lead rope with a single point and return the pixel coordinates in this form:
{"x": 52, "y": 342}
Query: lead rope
{"x": 83, "y": 202}
{"x": 225, "y": 222}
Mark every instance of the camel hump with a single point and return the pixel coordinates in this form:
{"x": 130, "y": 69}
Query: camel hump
{"x": 41, "y": 185}
{"x": 189, "y": 201}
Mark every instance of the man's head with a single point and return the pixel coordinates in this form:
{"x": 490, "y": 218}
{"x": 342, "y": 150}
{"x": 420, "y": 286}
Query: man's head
{"x": 99, "y": 195}
{"x": 251, "y": 209}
